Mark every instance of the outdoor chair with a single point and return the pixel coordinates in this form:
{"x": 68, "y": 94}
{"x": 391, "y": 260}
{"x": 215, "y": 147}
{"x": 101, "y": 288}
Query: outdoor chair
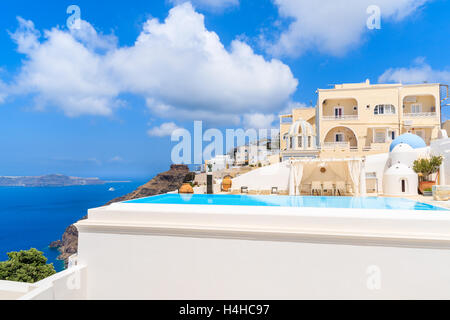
{"x": 328, "y": 187}
{"x": 316, "y": 187}
{"x": 340, "y": 188}
{"x": 244, "y": 190}
{"x": 274, "y": 190}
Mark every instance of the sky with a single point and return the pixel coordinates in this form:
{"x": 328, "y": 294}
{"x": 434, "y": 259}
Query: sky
{"x": 101, "y": 95}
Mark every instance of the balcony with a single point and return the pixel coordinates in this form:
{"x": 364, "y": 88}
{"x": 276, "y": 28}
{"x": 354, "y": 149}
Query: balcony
{"x": 378, "y": 146}
{"x": 336, "y": 145}
{"x": 419, "y": 115}
{"x": 340, "y": 117}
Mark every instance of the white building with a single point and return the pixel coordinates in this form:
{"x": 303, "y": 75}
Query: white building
{"x": 256, "y": 153}
{"x": 219, "y": 162}
{"x": 241, "y": 155}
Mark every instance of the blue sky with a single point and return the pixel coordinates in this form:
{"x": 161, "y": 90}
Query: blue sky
{"x": 93, "y": 102}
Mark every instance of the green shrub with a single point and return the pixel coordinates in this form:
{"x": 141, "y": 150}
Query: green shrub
{"x": 426, "y": 167}
{"x": 26, "y": 266}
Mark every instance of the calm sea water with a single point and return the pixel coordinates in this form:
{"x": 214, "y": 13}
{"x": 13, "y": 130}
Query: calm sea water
{"x": 34, "y": 217}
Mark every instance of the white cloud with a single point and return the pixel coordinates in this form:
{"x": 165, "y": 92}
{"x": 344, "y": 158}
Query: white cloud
{"x": 87, "y": 35}
{"x": 179, "y": 67}
{"x": 419, "y": 72}
{"x": 292, "y": 105}
{"x": 3, "y": 92}
{"x": 209, "y": 4}
{"x": 259, "y": 120}
{"x": 331, "y": 26}
{"x": 163, "y": 130}
{"x": 63, "y": 72}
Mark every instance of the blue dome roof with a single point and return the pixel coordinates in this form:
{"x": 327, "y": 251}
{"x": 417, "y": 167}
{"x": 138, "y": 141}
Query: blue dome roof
{"x": 410, "y": 139}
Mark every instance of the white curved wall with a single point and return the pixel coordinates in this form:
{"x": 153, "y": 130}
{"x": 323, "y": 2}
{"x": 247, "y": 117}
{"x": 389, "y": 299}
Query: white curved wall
{"x": 276, "y": 175}
{"x": 377, "y": 163}
{"x": 392, "y": 184}
{"x": 442, "y": 147}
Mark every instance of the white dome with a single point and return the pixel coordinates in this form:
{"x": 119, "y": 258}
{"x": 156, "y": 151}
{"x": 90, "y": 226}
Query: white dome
{"x": 306, "y": 128}
{"x": 402, "y": 147}
{"x": 404, "y": 154}
{"x": 399, "y": 169}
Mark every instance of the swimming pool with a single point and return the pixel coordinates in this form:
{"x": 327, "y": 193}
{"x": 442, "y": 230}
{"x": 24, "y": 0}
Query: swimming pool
{"x": 290, "y": 201}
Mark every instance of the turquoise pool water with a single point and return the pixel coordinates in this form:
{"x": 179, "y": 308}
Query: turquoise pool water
{"x": 290, "y": 201}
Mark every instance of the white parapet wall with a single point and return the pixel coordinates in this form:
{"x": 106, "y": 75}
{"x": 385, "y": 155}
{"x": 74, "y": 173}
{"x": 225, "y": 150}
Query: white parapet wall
{"x": 69, "y": 284}
{"x": 275, "y": 175}
{"x": 143, "y": 251}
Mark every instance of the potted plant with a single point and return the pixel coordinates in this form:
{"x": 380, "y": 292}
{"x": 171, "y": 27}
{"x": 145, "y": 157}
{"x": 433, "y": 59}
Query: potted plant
{"x": 428, "y": 192}
{"x": 425, "y": 167}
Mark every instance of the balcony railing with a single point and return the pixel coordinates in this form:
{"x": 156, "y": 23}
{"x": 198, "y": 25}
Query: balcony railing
{"x": 419, "y": 115}
{"x": 342, "y": 117}
{"x": 378, "y": 146}
{"x": 336, "y": 145}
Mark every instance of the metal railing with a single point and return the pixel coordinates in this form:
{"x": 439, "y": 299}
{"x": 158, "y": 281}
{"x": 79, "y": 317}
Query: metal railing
{"x": 336, "y": 145}
{"x": 419, "y": 115}
{"x": 341, "y": 117}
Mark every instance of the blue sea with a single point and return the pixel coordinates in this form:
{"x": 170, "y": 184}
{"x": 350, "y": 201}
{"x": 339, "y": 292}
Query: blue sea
{"x": 34, "y": 217}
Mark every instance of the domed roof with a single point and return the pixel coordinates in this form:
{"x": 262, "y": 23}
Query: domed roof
{"x": 410, "y": 139}
{"x": 399, "y": 169}
{"x": 402, "y": 147}
{"x": 306, "y": 128}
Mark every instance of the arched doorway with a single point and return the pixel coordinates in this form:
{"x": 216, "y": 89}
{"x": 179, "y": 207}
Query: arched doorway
{"x": 341, "y": 137}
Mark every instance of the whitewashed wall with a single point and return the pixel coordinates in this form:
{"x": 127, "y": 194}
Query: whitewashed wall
{"x": 442, "y": 147}
{"x": 222, "y": 252}
{"x": 275, "y": 175}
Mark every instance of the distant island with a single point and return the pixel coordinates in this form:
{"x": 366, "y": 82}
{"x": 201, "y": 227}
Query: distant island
{"x": 50, "y": 180}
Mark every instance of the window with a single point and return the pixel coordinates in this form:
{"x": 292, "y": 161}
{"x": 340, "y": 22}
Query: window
{"x": 339, "y": 137}
{"x": 380, "y": 137}
{"x": 416, "y": 108}
{"x": 309, "y": 141}
{"x": 384, "y": 109}
{"x": 392, "y": 134}
{"x": 420, "y": 133}
{"x": 291, "y": 143}
{"x": 338, "y": 112}
{"x": 403, "y": 185}
{"x": 300, "y": 141}
{"x": 285, "y": 139}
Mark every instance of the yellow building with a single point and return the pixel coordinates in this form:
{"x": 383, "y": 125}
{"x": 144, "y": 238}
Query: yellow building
{"x": 357, "y": 119}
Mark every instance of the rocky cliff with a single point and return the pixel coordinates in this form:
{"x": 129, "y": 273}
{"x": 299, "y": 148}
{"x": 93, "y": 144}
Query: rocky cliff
{"x": 164, "y": 182}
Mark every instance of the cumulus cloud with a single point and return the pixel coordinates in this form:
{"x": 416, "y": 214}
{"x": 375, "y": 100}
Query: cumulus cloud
{"x": 332, "y": 26}
{"x": 419, "y": 72}
{"x": 209, "y": 4}
{"x": 163, "y": 130}
{"x": 63, "y": 72}
{"x": 259, "y": 120}
{"x": 180, "y": 68}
